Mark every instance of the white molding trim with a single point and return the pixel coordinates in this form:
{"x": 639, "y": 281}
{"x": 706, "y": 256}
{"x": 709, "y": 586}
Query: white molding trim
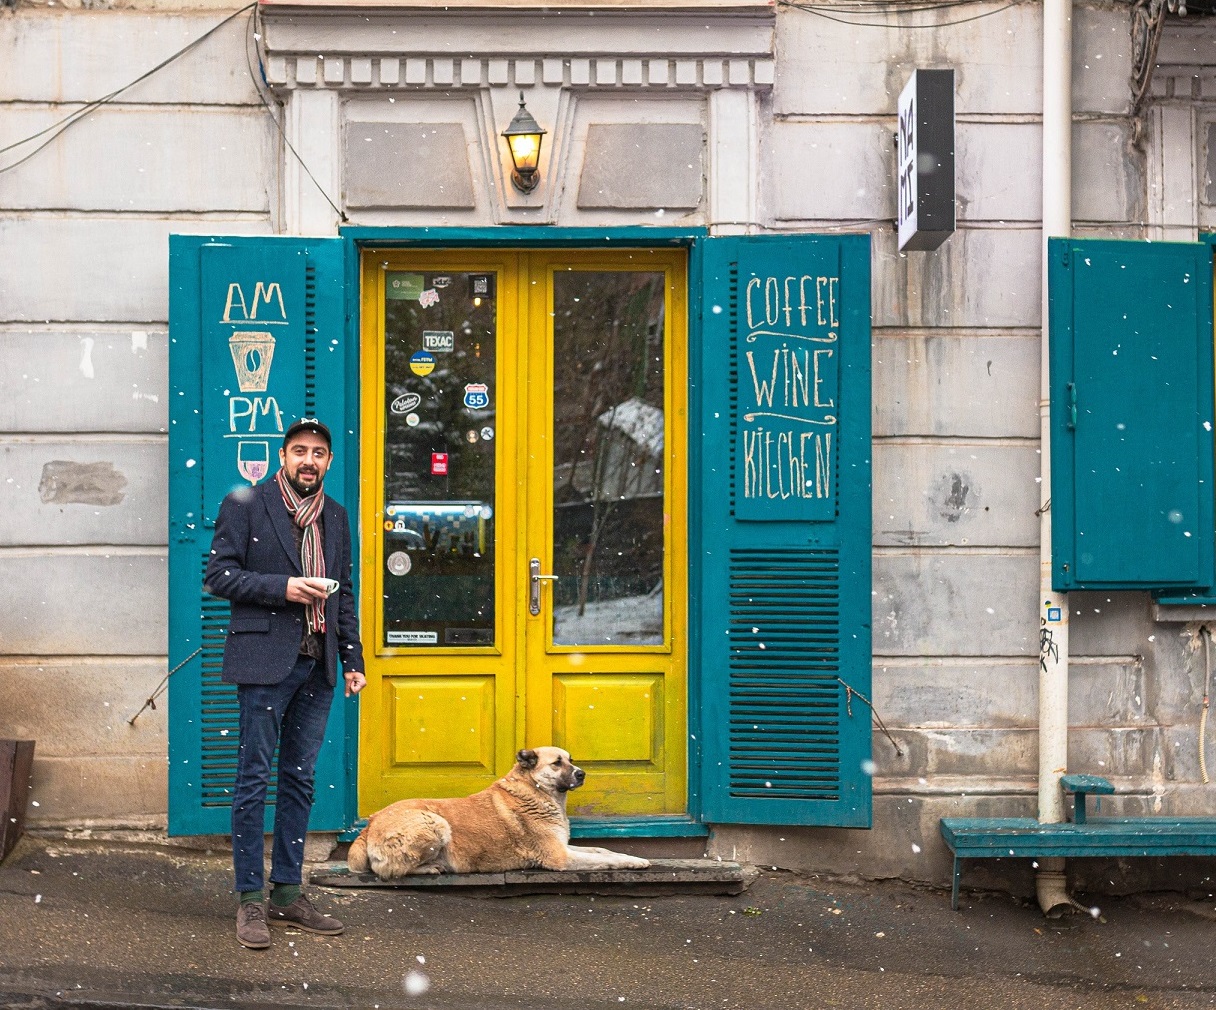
{"x": 313, "y": 127}
{"x": 734, "y": 153}
{"x": 687, "y": 48}
{"x": 1186, "y": 62}
{"x": 1183, "y": 97}
{"x": 657, "y": 73}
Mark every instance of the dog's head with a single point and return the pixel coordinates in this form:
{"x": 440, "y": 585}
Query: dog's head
{"x": 550, "y": 769}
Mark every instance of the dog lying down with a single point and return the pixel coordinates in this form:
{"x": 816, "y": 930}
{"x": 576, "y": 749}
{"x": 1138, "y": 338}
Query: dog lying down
{"x": 517, "y": 823}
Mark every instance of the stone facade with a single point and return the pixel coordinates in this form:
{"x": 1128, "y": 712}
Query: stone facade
{"x": 774, "y": 120}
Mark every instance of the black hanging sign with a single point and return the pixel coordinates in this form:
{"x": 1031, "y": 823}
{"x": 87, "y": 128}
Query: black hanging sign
{"x": 926, "y": 160}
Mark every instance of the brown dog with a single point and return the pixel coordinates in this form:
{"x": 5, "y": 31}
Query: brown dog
{"x": 517, "y": 823}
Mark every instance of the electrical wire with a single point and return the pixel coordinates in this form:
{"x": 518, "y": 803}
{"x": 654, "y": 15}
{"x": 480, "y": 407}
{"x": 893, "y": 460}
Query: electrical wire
{"x": 70, "y": 120}
{"x": 259, "y": 81}
{"x": 883, "y": 6}
{"x": 1206, "y": 632}
{"x": 897, "y": 9}
{"x": 61, "y": 126}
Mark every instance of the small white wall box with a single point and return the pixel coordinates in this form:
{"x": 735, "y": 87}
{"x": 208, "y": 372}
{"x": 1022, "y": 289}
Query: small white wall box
{"x": 926, "y": 160}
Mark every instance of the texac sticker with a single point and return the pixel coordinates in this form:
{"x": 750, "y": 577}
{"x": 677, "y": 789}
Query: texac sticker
{"x": 439, "y": 341}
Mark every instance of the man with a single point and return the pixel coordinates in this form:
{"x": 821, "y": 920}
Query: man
{"x": 279, "y": 549}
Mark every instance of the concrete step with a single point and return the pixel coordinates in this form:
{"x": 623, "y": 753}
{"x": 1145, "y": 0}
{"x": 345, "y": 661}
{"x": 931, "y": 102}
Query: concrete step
{"x": 663, "y": 876}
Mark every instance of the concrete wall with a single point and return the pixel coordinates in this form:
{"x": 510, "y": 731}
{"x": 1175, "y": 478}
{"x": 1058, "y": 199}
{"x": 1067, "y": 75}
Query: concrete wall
{"x": 84, "y": 377}
{"x": 956, "y": 461}
{"x": 955, "y": 356}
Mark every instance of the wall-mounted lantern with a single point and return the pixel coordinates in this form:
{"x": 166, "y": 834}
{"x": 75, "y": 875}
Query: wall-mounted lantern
{"x": 524, "y": 136}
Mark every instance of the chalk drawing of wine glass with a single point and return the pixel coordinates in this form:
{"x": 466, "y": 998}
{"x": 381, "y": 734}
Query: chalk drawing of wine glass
{"x": 253, "y": 460}
{"x": 252, "y": 354}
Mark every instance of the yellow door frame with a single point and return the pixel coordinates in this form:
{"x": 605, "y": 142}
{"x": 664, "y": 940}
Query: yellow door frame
{"x": 455, "y": 678}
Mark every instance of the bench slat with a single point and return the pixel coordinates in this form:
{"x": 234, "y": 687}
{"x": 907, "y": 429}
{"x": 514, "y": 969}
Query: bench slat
{"x": 1026, "y": 838}
{"x": 1086, "y": 784}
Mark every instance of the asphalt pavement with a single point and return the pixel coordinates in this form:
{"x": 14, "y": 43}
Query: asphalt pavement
{"x": 88, "y": 923}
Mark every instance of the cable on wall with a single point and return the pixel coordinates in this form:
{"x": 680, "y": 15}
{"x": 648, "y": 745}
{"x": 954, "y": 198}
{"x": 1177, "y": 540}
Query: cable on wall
{"x": 70, "y": 120}
{"x": 260, "y": 82}
{"x": 899, "y": 10}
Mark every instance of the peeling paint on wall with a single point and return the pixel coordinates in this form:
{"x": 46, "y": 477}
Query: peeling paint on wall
{"x": 86, "y": 357}
{"x": 67, "y": 483}
{"x": 954, "y": 495}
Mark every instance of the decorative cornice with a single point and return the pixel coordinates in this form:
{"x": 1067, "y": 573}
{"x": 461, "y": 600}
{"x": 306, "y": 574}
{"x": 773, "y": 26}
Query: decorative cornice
{"x": 686, "y": 48}
{"x": 1191, "y": 84}
{"x": 378, "y": 73}
{"x": 1185, "y": 61}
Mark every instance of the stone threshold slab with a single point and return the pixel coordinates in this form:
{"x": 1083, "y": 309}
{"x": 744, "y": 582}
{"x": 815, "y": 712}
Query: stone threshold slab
{"x": 663, "y": 876}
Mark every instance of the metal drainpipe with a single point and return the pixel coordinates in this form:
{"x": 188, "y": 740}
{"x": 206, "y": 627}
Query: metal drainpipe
{"x": 1053, "y": 642}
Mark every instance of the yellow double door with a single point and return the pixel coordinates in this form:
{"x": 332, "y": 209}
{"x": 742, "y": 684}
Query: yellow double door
{"x": 523, "y": 539}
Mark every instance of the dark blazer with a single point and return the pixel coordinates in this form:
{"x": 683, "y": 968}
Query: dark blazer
{"x": 253, "y": 553}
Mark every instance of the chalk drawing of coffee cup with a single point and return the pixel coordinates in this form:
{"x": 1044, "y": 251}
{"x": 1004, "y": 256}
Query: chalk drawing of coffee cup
{"x": 252, "y": 354}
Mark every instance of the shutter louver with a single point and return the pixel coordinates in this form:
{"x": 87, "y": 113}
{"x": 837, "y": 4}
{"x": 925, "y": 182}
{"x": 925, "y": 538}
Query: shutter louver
{"x": 784, "y": 660}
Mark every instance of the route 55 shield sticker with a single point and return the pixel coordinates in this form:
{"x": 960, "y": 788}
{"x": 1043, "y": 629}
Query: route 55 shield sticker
{"x": 476, "y": 396}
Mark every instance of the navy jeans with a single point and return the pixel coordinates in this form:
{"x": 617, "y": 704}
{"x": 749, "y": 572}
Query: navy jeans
{"x": 292, "y": 714}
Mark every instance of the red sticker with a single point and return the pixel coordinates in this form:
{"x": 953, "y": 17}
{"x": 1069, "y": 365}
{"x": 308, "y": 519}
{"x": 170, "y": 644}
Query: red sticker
{"x": 439, "y": 463}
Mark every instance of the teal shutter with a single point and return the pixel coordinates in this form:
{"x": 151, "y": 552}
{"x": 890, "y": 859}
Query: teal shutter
{"x": 781, "y": 527}
{"x": 1131, "y": 414}
{"x": 257, "y": 335}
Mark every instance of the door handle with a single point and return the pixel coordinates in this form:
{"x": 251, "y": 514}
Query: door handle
{"x": 534, "y": 580}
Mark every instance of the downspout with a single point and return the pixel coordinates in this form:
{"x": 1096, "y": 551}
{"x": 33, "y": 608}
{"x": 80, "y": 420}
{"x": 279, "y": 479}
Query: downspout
{"x": 1053, "y": 614}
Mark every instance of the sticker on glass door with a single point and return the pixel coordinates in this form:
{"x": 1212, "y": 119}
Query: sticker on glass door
{"x": 438, "y": 542}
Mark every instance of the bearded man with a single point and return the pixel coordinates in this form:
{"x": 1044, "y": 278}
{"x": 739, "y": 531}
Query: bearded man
{"x": 282, "y": 555}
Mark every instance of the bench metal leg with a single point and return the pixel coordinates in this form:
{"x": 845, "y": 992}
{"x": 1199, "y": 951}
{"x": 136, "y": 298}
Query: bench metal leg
{"x": 954, "y": 892}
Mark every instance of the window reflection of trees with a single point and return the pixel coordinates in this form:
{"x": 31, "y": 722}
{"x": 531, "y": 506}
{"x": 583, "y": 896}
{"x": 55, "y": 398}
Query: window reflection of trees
{"x": 448, "y": 589}
{"x": 444, "y": 421}
{"x": 608, "y": 441}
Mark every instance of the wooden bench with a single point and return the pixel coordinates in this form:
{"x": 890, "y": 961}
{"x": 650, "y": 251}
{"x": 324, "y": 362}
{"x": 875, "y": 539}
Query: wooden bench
{"x": 1026, "y": 838}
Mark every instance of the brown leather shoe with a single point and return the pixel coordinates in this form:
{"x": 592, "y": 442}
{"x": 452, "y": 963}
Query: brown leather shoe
{"x": 251, "y": 928}
{"x": 301, "y": 914}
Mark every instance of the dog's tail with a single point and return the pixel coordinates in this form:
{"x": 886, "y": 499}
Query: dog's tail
{"x": 356, "y": 858}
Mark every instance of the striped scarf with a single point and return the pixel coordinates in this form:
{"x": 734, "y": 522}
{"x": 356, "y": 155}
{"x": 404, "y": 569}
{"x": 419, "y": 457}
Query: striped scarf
{"x": 305, "y": 512}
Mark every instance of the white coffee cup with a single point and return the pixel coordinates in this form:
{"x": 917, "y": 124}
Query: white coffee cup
{"x": 331, "y": 586}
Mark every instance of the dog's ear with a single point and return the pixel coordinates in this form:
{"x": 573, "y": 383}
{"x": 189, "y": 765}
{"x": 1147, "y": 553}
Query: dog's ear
{"x": 527, "y": 759}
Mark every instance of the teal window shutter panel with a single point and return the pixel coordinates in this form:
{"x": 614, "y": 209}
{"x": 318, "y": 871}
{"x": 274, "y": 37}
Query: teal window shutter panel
{"x": 1131, "y": 414}
{"x": 781, "y": 525}
{"x": 257, "y": 338}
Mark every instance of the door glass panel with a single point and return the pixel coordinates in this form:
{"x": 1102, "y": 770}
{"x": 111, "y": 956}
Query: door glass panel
{"x": 439, "y": 458}
{"x": 608, "y": 457}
